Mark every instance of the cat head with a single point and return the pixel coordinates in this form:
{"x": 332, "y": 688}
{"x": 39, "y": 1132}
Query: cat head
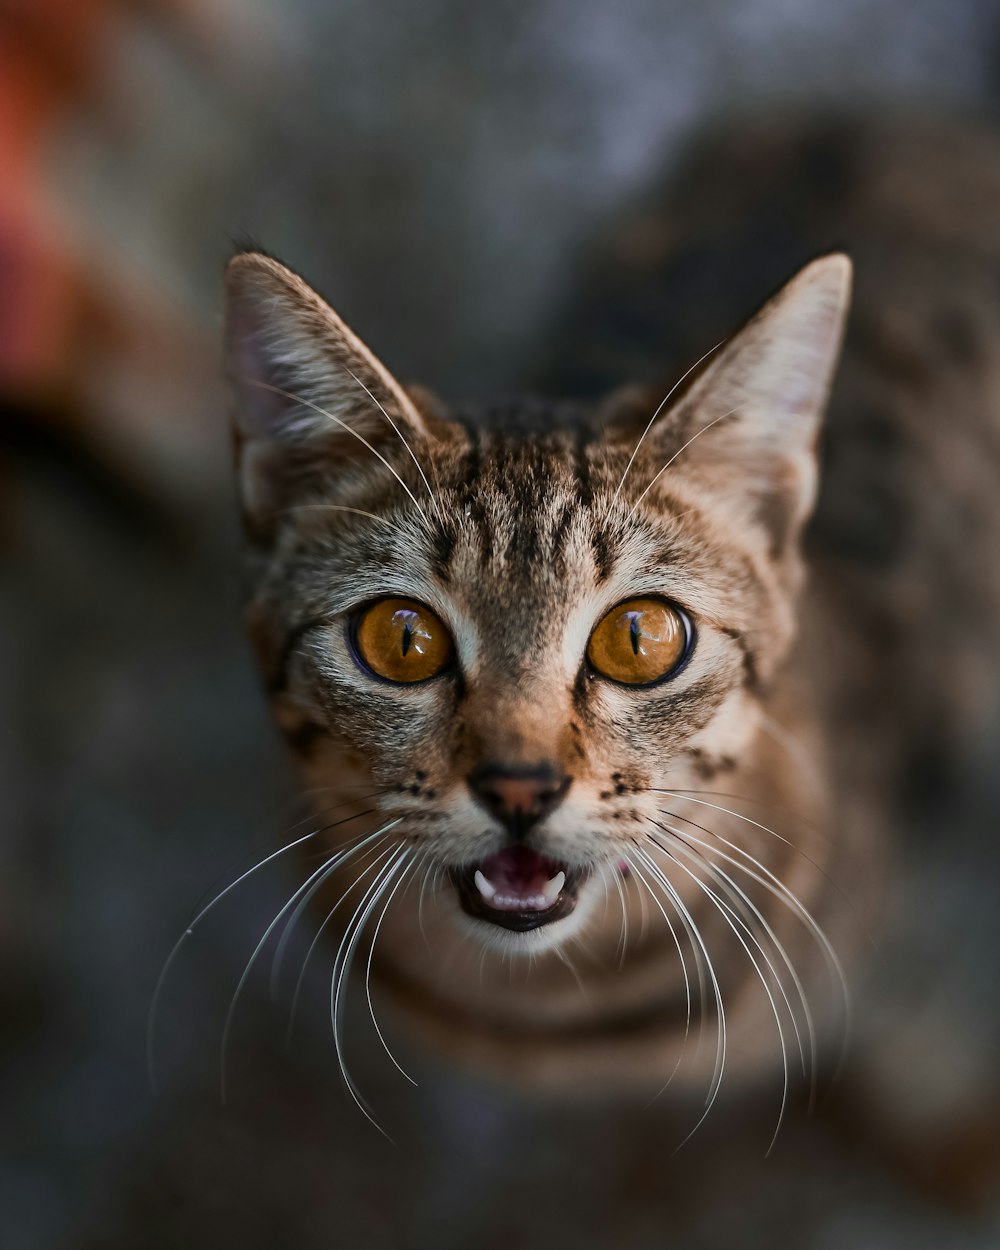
{"x": 513, "y": 627}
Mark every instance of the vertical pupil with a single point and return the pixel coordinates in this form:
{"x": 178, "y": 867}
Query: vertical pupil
{"x": 634, "y": 632}
{"x": 407, "y": 634}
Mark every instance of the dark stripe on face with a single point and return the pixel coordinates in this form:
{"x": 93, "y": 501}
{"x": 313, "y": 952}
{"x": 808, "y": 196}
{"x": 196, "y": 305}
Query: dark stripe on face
{"x": 475, "y": 513}
{"x": 751, "y": 678}
{"x": 566, "y": 519}
{"x": 525, "y": 548}
{"x": 690, "y": 709}
{"x": 581, "y": 695}
{"x": 603, "y": 547}
{"x": 709, "y": 766}
{"x": 443, "y": 541}
{"x": 485, "y": 529}
{"x": 581, "y": 462}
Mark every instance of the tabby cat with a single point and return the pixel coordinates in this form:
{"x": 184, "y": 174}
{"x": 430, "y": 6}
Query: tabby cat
{"x": 606, "y": 781}
{"x": 529, "y": 655}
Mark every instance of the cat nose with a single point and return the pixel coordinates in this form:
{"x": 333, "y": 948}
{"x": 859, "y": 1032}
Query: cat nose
{"x": 519, "y": 796}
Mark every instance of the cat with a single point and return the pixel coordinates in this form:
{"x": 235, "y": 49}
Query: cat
{"x": 529, "y": 654}
{"x": 609, "y": 784}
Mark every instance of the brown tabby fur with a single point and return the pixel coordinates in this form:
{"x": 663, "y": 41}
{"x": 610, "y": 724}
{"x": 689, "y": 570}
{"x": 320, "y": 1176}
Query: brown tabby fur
{"x": 521, "y": 525}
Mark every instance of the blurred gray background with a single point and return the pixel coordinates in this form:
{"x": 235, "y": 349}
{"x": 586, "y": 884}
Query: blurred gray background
{"x": 436, "y": 170}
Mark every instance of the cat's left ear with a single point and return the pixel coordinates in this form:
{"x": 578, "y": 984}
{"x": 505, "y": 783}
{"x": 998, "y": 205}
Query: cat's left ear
{"x": 307, "y": 392}
{"x": 746, "y": 429}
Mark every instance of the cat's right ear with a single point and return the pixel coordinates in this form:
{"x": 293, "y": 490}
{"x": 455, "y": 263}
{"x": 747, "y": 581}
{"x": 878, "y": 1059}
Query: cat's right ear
{"x": 307, "y": 393}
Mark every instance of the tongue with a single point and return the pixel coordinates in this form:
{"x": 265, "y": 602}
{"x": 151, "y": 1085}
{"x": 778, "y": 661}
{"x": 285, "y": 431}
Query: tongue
{"x": 518, "y": 870}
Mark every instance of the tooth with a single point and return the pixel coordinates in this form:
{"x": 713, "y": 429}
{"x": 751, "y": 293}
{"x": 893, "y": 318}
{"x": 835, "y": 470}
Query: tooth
{"x": 485, "y": 888}
{"x": 550, "y": 891}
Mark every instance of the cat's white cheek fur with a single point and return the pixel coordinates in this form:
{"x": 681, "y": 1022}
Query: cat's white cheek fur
{"x": 732, "y": 729}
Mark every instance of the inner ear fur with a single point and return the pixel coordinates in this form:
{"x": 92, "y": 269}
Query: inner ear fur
{"x": 305, "y": 387}
{"x": 744, "y": 425}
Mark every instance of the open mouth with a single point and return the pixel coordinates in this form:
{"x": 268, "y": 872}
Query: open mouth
{"x": 518, "y": 889}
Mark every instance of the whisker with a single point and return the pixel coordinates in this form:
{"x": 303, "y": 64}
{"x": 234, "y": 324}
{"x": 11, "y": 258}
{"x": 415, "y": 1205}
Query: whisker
{"x": 687, "y": 985}
{"x": 775, "y": 886}
{"x": 722, "y": 1040}
{"x": 339, "y": 507}
{"x": 694, "y": 940}
{"x": 643, "y": 910}
{"x": 730, "y": 916}
{"x": 300, "y": 399}
{"x": 810, "y": 1025}
{"x": 616, "y": 876}
{"x": 279, "y": 951}
{"x": 368, "y": 972}
{"x": 742, "y": 901}
{"x": 649, "y": 424}
{"x": 704, "y": 429}
{"x": 341, "y": 787}
{"x": 604, "y": 882}
{"x": 781, "y": 809}
{"x": 327, "y": 810}
{"x": 178, "y": 945}
{"x": 320, "y": 874}
{"x": 673, "y": 933}
{"x": 791, "y": 900}
{"x": 318, "y": 935}
{"x": 337, "y": 981}
{"x": 402, "y": 439}
{"x": 686, "y": 797}
{"x": 420, "y": 857}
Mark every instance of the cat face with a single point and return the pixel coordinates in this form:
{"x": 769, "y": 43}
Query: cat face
{"x": 514, "y": 629}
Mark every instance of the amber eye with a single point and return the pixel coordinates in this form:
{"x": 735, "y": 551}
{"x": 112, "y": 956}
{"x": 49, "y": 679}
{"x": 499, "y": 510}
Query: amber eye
{"x": 639, "y": 642}
{"x": 402, "y": 640}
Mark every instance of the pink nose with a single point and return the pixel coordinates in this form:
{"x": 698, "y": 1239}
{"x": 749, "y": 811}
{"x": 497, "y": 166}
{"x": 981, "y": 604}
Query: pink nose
{"x": 517, "y": 796}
